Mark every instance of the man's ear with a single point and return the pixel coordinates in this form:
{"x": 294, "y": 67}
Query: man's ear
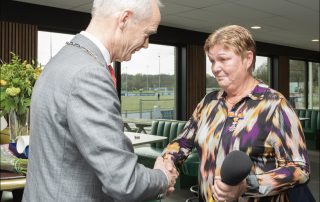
{"x": 124, "y": 17}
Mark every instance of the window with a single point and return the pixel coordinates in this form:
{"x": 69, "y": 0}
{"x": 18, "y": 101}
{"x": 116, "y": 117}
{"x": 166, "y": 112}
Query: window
{"x": 148, "y": 84}
{"x": 49, "y": 43}
{"x": 313, "y": 85}
{"x": 211, "y": 82}
{"x": 262, "y": 72}
{"x": 297, "y": 94}
{"x": 262, "y": 69}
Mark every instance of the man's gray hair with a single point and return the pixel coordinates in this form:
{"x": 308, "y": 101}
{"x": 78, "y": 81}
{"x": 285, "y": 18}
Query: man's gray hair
{"x": 106, "y": 8}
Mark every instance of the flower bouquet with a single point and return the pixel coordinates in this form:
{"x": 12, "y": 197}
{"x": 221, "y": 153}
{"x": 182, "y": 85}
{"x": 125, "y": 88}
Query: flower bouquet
{"x": 17, "y": 79}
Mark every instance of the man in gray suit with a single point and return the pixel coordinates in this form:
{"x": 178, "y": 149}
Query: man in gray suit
{"x": 78, "y": 151}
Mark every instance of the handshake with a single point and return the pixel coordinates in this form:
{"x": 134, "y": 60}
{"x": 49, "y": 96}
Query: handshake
{"x": 167, "y": 166}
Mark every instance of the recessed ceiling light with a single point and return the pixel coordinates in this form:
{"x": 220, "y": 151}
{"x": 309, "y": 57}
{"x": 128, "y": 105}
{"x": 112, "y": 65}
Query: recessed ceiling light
{"x": 315, "y": 40}
{"x": 255, "y": 27}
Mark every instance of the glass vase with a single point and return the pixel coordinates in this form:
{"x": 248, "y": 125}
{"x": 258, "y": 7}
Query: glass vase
{"x": 18, "y": 125}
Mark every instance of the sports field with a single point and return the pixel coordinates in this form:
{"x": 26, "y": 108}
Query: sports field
{"x": 146, "y": 103}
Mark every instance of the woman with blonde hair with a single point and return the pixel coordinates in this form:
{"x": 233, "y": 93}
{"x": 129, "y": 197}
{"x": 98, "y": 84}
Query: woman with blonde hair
{"x": 244, "y": 115}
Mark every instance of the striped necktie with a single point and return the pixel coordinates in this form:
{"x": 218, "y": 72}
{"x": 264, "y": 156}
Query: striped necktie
{"x": 113, "y": 76}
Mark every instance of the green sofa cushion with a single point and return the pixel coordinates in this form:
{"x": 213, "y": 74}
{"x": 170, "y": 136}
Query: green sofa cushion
{"x": 190, "y": 166}
{"x": 301, "y": 113}
{"x": 148, "y": 152}
{"x": 309, "y": 130}
{"x": 311, "y": 127}
{"x": 169, "y": 128}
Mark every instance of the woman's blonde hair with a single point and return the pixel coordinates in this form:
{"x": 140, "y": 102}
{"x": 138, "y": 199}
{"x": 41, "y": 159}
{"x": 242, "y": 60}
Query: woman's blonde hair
{"x": 233, "y": 37}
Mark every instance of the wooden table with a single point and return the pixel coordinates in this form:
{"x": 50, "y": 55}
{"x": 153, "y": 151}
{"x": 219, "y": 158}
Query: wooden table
{"x": 140, "y": 124}
{"x": 139, "y": 138}
{"x": 11, "y": 181}
{"x": 303, "y": 118}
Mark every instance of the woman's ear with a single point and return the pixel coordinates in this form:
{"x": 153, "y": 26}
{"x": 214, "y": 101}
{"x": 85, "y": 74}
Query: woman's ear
{"x": 249, "y": 58}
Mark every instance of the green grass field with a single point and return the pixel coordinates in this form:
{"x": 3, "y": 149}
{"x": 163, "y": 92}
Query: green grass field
{"x": 132, "y": 103}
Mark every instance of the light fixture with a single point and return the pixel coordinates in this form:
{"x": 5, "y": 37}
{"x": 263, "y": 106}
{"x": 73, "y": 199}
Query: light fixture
{"x": 255, "y": 27}
{"x": 315, "y": 40}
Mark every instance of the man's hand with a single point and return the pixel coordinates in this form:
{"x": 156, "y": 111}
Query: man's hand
{"x": 169, "y": 164}
{"x": 168, "y": 167}
{"x": 223, "y": 192}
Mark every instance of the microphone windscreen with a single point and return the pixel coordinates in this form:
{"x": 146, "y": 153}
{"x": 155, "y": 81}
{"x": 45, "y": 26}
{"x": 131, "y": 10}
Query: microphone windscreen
{"x": 235, "y": 167}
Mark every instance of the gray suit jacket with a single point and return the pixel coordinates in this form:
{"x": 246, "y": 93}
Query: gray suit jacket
{"x": 78, "y": 151}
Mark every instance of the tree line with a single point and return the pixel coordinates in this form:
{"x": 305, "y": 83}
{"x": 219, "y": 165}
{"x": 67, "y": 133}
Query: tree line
{"x": 151, "y": 82}
{"x": 147, "y": 82}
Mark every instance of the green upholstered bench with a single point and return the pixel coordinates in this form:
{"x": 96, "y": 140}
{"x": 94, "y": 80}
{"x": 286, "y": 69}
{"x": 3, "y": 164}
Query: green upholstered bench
{"x": 190, "y": 167}
{"x": 169, "y": 128}
{"x": 311, "y": 127}
{"x": 148, "y": 154}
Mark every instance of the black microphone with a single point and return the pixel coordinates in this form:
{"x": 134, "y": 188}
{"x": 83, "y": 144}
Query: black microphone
{"x": 235, "y": 167}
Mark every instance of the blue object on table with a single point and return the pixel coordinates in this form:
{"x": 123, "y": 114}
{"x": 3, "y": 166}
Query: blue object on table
{"x": 13, "y": 149}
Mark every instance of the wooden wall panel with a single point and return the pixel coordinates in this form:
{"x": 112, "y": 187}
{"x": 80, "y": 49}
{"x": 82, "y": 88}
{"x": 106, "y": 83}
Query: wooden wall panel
{"x": 20, "y": 39}
{"x": 283, "y": 76}
{"x": 196, "y": 77}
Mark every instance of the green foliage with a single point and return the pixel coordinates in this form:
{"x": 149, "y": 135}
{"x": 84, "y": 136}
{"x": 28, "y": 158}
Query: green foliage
{"x": 262, "y": 73}
{"x": 16, "y": 82}
{"x": 211, "y": 82}
{"x": 143, "y": 81}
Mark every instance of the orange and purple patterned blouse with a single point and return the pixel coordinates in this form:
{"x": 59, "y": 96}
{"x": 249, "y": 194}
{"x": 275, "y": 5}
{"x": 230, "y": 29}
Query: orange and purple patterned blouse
{"x": 263, "y": 125}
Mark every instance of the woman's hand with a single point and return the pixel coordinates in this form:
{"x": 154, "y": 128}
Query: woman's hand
{"x": 223, "y": 192}
{"x": 168, "y": 167}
